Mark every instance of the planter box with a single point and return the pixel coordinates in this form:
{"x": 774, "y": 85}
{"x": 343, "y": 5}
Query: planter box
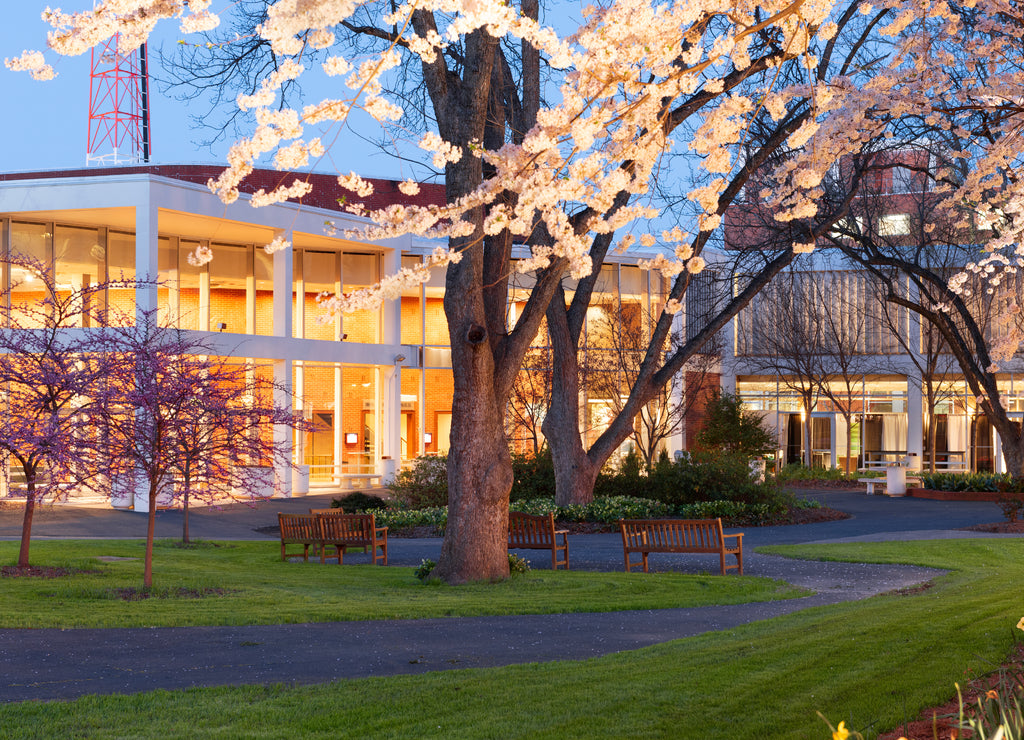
{"x": 991, "y": 496}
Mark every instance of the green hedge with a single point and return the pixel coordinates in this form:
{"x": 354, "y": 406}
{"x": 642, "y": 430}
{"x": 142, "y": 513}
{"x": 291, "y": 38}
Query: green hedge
{"x": 965, "y": 481}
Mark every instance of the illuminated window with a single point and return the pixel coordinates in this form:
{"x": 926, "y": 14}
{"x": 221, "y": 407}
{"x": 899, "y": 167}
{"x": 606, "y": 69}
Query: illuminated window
{"x": 894, "y": 224}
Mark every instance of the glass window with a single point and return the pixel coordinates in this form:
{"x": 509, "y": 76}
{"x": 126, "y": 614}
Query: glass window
{"x": 894, "y": 224}
{"x": 412, "y": 312}
{"x": 228, "y": 271}
{"x": 79, "y": 260}
{"x": 264, "y": 285}
{"x": 361, "y": 271}
{"x": 167, "y": 293}
{"x": 189, "y": 279}
{"x": 30, "y": 243}
{"x": 320, "y": 272}
{"x": 121, "y": 273}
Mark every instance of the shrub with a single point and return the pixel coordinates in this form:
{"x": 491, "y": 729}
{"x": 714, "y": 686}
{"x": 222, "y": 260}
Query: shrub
{"x": 964, "y": 481}
{"x": 533, "y": 476}
{"x": 1011, "y": 505}
{"x": 516, "y": 566}
{"x": 729, "y": 428}
{"x": 434, "y": 516}
{"x": 799, "y": 471}
{"x": 357, "y": 502}
{"x": 607, "y": 510}
{"x": 423, "y": 484}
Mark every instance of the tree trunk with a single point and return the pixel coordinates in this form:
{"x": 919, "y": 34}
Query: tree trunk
{"x": 848, "y": 418}
{"x": 933, "y": 433}
{"x": 574, "y": 471}
{"x": 475, "y": 546}
{"x": 184, "y": 513}
{"x": 26, "y": 522}
{"x": 147, "y": 572}
{"x": 808, "y": 456}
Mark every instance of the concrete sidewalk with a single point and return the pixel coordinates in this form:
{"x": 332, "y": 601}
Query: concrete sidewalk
{"x": 60, "y": 664}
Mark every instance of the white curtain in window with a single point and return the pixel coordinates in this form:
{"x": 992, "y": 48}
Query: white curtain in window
{"x": 894, "y": 432}
{"x": 841, "y": 434}
{"x": 956, "y": 433}
{"x": 776, "y": 424}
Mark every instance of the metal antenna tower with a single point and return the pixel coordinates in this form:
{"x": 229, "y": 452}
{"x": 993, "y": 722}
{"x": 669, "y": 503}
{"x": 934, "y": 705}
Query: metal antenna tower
{"x": 118, "y": 106}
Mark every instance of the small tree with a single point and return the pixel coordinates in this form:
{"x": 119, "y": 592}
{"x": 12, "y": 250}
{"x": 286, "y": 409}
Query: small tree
{"x": 48, "y": 377}
{"x": 173, "y": 416}
{"x": 224, "y": 432}
{"x": 612, "y": 368}
{"x": 730, "y": 428}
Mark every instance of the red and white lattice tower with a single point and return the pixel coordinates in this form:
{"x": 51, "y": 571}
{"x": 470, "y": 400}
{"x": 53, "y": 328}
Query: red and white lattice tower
{"x": 118, "y": 106}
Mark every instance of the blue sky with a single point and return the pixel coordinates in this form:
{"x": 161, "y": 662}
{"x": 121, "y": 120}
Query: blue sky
{"x": 45, "y": 126}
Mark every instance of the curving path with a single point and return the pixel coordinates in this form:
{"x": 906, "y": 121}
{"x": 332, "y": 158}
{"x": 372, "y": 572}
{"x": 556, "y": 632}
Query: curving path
{"x": 60, "y": 664}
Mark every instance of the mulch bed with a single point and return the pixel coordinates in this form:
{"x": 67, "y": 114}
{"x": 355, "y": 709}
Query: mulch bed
{"x": 940, "y": 722}
{"x": 997, "y": 527}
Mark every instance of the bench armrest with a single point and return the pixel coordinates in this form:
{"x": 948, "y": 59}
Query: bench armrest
{"x": 380, "y": 530}
{"x": 738, "y": 536}
{"x": 561, "y": 531}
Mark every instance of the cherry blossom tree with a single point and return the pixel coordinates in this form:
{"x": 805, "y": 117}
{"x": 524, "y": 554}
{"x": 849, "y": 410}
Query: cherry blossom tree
{"x": 184, "y": 424}
{"x": 561, "y": 178}
{"x": 49, "y": 374}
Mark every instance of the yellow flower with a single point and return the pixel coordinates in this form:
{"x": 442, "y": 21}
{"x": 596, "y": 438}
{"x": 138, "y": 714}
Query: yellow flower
{"x": 992, "y": 694}
{"x": 841, "y": 732}
{"x": 1020, "y": 624}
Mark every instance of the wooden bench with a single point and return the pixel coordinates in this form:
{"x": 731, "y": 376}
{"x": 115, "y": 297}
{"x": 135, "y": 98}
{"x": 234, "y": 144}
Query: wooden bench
{"x": 341, "y": 531}
{"x": 297, "y": 529}
{"x": 679, "y": 535}
{"x": 530, "y": 532}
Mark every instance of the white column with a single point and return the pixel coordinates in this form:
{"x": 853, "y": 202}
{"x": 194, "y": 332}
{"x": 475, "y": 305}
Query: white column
{"x": 283, "y": 434}
{"x": 147, "y": 271}
{"x": 915, "y": 418}
{"x": 282, "y": 311}
{"x": 833, "y": 421}
{"x": 391, "y": 377}
{"x": 147, "y": 266}
{"x": 339, "y": 447}
{"x": 283, "y": 286}
{"x": 391, "y": 413}
{"x": 677, "y": 442}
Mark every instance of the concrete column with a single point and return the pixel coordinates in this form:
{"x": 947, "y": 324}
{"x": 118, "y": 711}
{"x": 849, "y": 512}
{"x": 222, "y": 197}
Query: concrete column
{"x": 915, "y": 418}
{"x": 147, "y": 266}
{"x": 283, "y": 286}
{"x": 147, "y": 271}
{"x": 391, "y": 413}
{"x": 283, "y": 434}
{"x": 283, "y": 392}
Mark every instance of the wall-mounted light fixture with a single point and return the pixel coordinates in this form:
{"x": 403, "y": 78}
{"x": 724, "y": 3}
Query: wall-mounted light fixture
{"x": 351, "y": 438}
{"x": 428, "y": 438}
{"x": 220, "y": 326}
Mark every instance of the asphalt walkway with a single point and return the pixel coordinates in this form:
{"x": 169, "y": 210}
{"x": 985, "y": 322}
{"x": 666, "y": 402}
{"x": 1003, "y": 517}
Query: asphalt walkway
{"x": 52, "y": 664}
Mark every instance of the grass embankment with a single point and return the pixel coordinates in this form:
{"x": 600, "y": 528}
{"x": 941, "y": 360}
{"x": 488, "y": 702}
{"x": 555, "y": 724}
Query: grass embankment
{"x": 872, "y": 663}
{"x": 247, "y": 583}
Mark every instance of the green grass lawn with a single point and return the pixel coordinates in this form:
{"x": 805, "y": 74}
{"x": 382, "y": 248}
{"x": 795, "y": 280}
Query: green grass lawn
{"x": 871, "y": 663}
{"x": 247, "y": 583}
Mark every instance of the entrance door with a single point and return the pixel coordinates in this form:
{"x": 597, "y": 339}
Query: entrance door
{"x": 408, "y": 431}
{"x": 444, "y": 431}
